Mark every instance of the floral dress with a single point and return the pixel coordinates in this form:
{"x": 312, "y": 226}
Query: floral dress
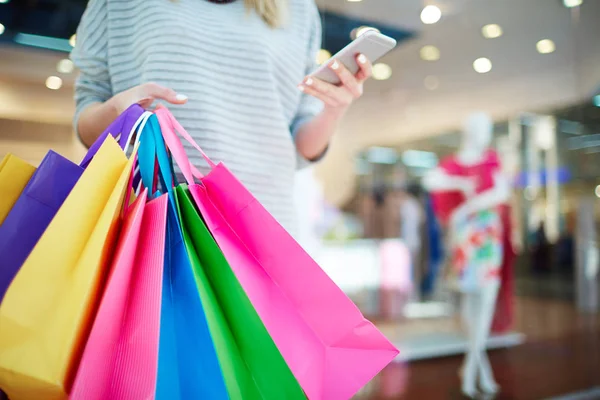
{"x": 476, "y": 251}
{"x": 475, "y": 243}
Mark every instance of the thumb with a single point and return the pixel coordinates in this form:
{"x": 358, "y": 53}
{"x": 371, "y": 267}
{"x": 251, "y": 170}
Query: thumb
{"x": 164, "y": 93}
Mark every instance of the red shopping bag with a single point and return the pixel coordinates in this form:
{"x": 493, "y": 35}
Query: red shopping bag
{"x": 330, "y": 347}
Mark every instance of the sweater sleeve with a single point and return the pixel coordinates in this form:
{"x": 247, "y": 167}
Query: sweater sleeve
{"x": 309, "y": 106}
{"x": 90, "y": 56}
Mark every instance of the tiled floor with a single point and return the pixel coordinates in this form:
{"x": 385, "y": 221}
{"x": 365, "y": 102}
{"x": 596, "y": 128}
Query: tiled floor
{"x": 561, "y": 355}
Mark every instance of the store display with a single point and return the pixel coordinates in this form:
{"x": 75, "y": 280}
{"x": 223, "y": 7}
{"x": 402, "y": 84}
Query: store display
{"x": 468, "y": 190}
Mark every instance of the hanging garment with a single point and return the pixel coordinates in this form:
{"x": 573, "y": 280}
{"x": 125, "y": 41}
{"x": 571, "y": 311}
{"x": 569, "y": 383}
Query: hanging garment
{"x": 435, "y": 249}
{"x": 504, "y": 314}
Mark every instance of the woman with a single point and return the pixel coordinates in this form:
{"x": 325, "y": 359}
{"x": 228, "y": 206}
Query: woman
{"x": 239, "y": 64}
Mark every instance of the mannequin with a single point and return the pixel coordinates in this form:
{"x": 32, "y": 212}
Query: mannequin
{"x": 468, "y": 190}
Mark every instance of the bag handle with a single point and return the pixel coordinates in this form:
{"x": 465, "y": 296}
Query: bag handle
{"x": 147, "y": 155}
{"x": 127, "y": 199}
{"x": 154, "y": 161}
{"x": 139, "y": 128}
{"x": 169, "y": 126}
{"x": 126, "y": 122}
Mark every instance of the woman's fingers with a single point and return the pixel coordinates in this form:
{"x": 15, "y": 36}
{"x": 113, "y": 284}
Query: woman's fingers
{"x": 348, "y": 80}
{"x": 325, "y": 98}
{"x": 339, "y": 95}
{"x": 366, "y": 68}
{"x": 350, "y": 88}
{"x": 157, "y": 91}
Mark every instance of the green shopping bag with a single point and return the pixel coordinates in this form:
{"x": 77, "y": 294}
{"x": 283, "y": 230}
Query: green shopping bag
{"x": 251, "y": 364}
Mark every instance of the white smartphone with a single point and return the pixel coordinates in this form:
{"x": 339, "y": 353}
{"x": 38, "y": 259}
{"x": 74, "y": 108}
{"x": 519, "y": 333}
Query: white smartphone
{"x": 372, "y": 44}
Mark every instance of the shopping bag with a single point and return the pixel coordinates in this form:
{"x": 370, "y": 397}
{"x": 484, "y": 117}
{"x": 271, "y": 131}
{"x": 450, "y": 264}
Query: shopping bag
{"x": 188, "y": 367}
{"x": 121, "y": 354}
{"x": 122, "y": 129}
{"x": 45, "y": 315}
{"x": 259, "y": 362}
{"x": 43, "y": 196}
{"x": 238, "y": 378}
{"x": 14, "y": 175}
{"x": 47, "y": 189}
{"x": 251, "y": 364}
{"x": 300, "y": 306}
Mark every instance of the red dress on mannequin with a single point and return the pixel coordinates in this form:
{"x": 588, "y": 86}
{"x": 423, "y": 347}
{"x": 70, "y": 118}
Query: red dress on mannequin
{"x": 445, "y": 203}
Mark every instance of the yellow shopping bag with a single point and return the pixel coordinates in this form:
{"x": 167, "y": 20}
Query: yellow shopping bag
{"x": 47, "y": 311}
{"x": 14, "y": 175}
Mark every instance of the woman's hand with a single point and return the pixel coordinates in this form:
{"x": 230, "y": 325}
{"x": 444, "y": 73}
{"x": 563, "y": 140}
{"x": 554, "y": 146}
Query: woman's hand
{"x": 94, "y": 119}
{"x": 145, "y": 95}
{"x": 338, "y": 98}
{"x": 313, "y": 137}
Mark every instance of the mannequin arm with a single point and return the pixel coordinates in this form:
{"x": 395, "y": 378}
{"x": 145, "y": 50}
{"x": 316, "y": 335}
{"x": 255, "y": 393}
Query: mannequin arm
{"x": 497, "y": 195}
{"x": 439, "y": 181}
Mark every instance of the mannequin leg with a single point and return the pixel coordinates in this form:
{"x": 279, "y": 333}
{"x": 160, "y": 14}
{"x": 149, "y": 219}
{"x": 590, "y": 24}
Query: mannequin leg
{"x": 478, "y": 311}
{"x": 470, "y": 314}
{"x": 488, "y": 301}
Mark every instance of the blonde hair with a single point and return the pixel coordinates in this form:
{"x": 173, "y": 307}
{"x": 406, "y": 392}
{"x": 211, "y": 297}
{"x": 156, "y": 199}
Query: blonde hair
{"x": 271, "y": 11}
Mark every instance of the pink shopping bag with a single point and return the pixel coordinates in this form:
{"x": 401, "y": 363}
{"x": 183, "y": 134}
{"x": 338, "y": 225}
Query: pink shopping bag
{"x": 120, "y": 359}
{"x": 330, "y": 347}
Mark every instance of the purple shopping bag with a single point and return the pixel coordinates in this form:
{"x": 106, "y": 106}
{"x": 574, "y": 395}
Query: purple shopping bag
{"x": 44, "y": 194}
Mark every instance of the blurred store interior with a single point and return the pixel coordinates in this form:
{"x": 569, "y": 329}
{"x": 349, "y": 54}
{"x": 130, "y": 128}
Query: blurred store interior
{"x": 532, "y": 65}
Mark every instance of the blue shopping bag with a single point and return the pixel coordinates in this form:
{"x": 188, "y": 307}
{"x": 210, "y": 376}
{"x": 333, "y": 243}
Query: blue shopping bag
{"x": 188, "y": 367}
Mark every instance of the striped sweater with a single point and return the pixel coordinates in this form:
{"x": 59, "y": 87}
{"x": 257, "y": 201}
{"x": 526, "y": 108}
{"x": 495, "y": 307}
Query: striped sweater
{"x": 239, "y": 74}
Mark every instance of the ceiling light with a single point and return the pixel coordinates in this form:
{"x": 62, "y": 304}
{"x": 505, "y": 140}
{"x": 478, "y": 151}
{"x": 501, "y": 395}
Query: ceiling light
{"x": 597, "y": 191}
{"x": 73, "y": 40}
{"x": 572, "y": 3}
{"x": 65, "y": 66}
{"x": 491, "y": 31}
{"x": 54, "y": 82}
{"x": 431, "y": 82}
{"x": 482, "y": 65}
{"x": 322, "y": 56}
{"x": 430, "y": 53}
{"x": 4, "y": 1}
{"x": 597, "y": 100}
{"x": 354, "y": 1}
{"x": 1, "y": 29}
{"x": 545, "y": 46}
{"x": 382, "y": 72}
{"x": 431, "y": 15}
